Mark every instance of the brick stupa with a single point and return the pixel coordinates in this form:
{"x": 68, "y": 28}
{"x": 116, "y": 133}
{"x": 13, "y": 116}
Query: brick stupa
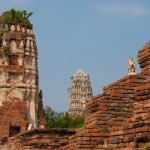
{"x": 20, "y": 99}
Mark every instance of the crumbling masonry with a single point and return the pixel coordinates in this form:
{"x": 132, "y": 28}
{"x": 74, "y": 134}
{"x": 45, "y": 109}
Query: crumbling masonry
{"x": 20, "y": 99}
{"x": 119, "y": 119}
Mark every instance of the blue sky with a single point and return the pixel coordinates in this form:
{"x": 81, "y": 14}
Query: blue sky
{"x": 98, "y": 36}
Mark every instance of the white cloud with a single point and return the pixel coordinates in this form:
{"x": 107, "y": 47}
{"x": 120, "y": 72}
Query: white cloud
{"x": 126, "y": 8}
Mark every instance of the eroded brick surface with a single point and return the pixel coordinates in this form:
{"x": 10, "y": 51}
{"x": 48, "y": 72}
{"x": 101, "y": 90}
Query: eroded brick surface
{"x": 39, "y": 139}
{"x": 118, "y": 119}
{"x": 13, "y": 115}
{"x": 20, "y": 101}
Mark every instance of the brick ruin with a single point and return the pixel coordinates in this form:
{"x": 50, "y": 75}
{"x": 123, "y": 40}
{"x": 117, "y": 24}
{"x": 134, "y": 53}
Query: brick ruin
{"x": 119, "y": 118}
{"x": 20, "y": 98}
{"x": 37, "y": 139}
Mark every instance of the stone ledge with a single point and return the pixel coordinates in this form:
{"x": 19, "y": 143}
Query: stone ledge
{"x": 13, "y": 68}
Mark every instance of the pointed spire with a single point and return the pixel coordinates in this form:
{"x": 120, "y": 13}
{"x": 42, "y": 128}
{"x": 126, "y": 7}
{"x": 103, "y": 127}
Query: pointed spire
{"x": 80, "y": 72}
{"x": 80, "y": 92}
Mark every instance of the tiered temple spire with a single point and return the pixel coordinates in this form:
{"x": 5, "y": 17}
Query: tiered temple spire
{"x": 79, "y": 93}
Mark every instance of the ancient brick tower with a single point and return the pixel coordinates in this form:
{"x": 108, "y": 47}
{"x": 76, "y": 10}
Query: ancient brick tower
{"x": 19, "y": 92}
{"x": 79, "y": 93}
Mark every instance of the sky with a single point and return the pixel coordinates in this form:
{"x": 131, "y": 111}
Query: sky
{"x": 98, "y": 36}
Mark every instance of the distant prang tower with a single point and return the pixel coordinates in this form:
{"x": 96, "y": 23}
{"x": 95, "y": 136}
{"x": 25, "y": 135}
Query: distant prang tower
{"x": 20, "y": 98}
{"x": 79, "y": 93}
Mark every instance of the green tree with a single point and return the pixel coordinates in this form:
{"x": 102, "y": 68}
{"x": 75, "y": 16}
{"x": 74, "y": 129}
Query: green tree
{"x": 51, "y": 117}
{"x": 14, "y": 16}
{"x": 62, "y": 120}
{"x": 77, "y": 121}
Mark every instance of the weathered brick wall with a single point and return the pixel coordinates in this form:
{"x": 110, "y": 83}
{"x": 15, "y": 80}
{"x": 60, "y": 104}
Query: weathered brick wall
{"x": 119, "y": 118}
{"x": 12, "y": 114}
{"x": 39, "y": 139}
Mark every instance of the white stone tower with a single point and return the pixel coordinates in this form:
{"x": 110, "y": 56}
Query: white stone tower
{"x": 79, "y": 93}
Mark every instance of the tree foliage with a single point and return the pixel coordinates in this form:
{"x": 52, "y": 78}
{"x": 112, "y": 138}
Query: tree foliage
{"x": 17, "y": 17}
{"x": 62, "y": 120}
